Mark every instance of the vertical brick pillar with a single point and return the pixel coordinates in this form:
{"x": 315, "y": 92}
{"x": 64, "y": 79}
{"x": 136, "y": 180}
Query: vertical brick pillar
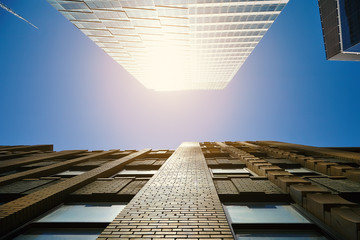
{"x": 179, "y": 202}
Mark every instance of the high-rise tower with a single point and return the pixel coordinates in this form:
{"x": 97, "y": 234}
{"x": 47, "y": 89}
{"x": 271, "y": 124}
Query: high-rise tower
{"x": 175, "y": 44}
{"x": 340, "y": 21}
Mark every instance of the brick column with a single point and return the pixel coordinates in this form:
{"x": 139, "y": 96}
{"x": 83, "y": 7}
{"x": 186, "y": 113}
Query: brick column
{"x": 179, "y": 202}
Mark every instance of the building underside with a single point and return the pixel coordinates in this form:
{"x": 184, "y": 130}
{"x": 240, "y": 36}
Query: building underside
{"x": 175, "y": 45}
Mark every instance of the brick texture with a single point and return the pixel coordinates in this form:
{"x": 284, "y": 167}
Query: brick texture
{"x": 47, "y": 147}
{"x": 98, "y": 187}
{"x": 338, "y": 185}
{"x": 225, "y": 187}
{"x": 133, "y": 187}
{"x": 8, "y": 165}
{"x": 36, "y": 203}
{"x": 48, "y": 170}
{"x": 250, "y": 185}
{"x": 350, "y": 156}
{"x": 23, "y": 186}
{"x": 179, "y": 202}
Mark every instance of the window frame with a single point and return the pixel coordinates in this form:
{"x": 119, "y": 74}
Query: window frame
{"x": 34, "y": 224}
{"x": 314, "y": 224}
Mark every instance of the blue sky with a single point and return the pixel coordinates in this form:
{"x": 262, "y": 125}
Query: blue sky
{"x": 58, "y": 87}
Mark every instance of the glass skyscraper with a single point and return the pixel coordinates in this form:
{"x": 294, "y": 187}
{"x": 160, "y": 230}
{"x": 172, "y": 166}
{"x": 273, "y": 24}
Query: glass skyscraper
{"x": 175, "y": 44}
{"x": 341, "y": 28}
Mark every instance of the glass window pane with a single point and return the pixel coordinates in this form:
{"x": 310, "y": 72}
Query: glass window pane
{"x": 61, "y": 234}
{"x": 84, "y": 213}
{"x": 229, "y": 171}
{"x": 301, "y": 171}
{"x": 261, "y": 213}
{"x": 279, "y": 234}
{"x": 136, "y": 172}
{"x": 69, "y": 173}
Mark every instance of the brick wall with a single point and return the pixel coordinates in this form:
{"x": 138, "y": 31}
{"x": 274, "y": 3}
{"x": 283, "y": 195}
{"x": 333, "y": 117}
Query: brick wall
{"x": 15, "y": 213}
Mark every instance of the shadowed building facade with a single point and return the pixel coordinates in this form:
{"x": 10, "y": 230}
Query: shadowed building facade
{"x": 340, "y": 21}
{"x": 207, "y": 190}
{"x": 175, "y": 44}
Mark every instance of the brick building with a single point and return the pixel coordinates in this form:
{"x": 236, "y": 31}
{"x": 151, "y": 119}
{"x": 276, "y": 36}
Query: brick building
{"x": 209, "y": 190}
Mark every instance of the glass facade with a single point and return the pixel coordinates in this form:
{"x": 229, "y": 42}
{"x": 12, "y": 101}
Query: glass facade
{"x": 177, "y": 44}
{"x": 350, "y": 25}
{"x": 340, "y": 21}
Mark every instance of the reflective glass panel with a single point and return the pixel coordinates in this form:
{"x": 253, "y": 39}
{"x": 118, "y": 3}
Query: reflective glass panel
{"x": 261, "y": 213}
{"x": 279, "y": 234}
{"x": 171, "y": 25}
{"x": 301, "y": 171}
{"x": 137, "y": 172}
{"x": 60, "y": 234}
{"x": 70, "y": 173}
{"x": 350, "y": 31}
{"x": 8, "y": 173}
{"x": 229, "y": 171}
{"x": 83, "y": 213}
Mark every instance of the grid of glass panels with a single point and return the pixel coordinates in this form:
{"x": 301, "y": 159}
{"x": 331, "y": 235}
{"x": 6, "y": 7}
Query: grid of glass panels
{"x": 175, "y": 44}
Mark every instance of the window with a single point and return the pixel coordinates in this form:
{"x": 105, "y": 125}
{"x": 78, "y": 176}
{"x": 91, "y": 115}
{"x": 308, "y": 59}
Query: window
{"x": 271, "y": 222}
{"x": 230, "y": 171}
{"x": 60, "y": 234}
{"x": 8, "y": 173}
{"x": 73, "y": 221}
{"x": 301, "y": 172}
{"x": 84, "y": 213}
{"x": 126, "y": 172}
{"x": 69, "y": 173}
{"x": 261, "y": 213}
{"x": 278, "y": 235}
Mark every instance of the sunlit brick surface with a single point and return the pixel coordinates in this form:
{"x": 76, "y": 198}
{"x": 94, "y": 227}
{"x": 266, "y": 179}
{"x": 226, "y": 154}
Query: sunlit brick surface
{"x": 225, "y": 187}
{"x": 99, "y": 187}
{"x": 175, "y": 44}
{"x": 36, "y": 203}
{"x": 250, "y": 185}
{"x": 179, "y": 202}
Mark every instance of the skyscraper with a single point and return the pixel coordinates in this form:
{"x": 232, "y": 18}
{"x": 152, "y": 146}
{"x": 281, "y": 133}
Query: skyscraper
{"x": 208, "y": 190}
{"x": 340, "y": 21}
{"x": 175, "y": 44}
